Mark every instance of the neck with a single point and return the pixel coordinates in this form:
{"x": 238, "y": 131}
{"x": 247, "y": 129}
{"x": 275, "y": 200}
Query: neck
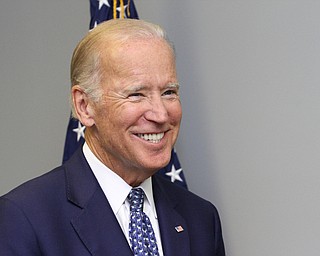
{"x": 131, "y": 175}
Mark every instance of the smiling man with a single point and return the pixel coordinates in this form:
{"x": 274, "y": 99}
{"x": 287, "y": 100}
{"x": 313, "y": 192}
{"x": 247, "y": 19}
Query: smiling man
{"x": 107, "y": 199}
{"x": 135, "y": 121}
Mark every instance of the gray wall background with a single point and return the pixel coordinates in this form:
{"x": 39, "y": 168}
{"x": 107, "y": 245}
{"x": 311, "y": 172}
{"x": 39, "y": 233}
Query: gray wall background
{"x": 250, "y": 77}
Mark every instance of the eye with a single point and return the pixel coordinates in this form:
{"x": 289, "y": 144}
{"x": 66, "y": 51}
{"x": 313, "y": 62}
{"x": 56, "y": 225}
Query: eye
{"x": 170, "y": 93}
{"x": 135, "y": 96}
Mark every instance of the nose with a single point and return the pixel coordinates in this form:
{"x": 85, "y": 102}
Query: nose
{"x": 157, "y": 111}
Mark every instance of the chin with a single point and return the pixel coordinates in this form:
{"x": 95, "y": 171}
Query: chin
{"x": 155, "y": 166}
{"x": 155, "y": 160}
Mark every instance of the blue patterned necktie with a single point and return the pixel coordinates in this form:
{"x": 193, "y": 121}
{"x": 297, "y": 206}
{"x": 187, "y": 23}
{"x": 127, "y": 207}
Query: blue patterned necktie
{"x": 141, "y": 234}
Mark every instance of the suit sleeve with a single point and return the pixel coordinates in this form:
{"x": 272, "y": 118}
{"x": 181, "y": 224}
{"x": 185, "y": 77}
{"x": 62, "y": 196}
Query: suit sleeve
{"x": 17, "y": 236}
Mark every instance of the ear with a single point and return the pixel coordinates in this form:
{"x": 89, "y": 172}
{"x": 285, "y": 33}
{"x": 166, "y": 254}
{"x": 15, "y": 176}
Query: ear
{"x": 82, "y": 106}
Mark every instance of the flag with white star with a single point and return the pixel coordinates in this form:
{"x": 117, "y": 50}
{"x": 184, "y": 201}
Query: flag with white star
{"x": 102, "y": 10}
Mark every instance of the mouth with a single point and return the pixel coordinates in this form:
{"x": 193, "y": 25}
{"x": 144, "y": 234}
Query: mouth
{"x": 151, "y": 137}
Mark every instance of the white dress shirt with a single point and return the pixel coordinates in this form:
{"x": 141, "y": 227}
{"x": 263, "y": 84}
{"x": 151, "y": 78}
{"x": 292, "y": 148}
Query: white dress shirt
{"x": 116, "y": 191}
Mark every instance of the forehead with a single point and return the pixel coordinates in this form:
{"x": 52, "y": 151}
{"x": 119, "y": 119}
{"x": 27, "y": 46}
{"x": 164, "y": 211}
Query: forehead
{"x": 139, "y": 64}
{"x": 144, "y": 48}
{"x": 138, "y": 55}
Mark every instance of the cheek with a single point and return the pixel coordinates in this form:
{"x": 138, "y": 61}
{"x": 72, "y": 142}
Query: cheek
{"x": 175, "y": 113}
{"x": 128, "y": 114}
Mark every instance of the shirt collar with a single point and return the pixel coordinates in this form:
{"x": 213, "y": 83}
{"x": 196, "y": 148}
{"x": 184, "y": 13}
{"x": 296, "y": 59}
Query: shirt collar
{"x": 114, "y": 187}
{"x": 148, "y": 191}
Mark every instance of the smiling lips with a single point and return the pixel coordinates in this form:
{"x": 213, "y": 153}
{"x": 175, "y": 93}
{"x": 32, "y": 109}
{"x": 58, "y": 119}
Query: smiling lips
{"x": 152, "y": 137}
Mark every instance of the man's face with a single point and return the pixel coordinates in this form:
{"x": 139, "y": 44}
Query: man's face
{"x": 137, "y": 122}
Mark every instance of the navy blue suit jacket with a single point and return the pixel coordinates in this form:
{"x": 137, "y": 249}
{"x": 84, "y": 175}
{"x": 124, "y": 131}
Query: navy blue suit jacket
{"x": 65, "y": 212}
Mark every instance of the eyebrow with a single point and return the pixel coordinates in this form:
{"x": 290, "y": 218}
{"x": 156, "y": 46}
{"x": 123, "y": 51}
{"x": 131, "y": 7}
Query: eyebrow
{"x": 134, "y": 88}
{"x": 173, "y": 85}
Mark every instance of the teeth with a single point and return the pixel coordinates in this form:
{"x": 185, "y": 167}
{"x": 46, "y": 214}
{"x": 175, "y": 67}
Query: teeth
{"x": 154, "y": 138}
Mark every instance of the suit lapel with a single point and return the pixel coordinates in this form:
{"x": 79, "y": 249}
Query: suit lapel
{"x": 94, "y": 222}
{"x": 173, "y": 242}
{"x": 99, "y": 230}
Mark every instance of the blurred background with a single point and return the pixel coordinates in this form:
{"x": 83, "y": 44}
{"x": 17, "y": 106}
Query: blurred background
{"x": 250, "y": 88}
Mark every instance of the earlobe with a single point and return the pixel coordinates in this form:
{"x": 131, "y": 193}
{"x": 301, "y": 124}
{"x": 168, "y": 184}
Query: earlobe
{"x": 82, "y": 106}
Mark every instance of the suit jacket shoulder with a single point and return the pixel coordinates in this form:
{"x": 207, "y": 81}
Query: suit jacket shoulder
{"x": 63, "y": 212}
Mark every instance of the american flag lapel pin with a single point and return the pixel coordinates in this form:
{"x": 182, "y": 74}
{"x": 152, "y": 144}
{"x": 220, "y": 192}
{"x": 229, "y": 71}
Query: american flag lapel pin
{"x": 178, "y": 228}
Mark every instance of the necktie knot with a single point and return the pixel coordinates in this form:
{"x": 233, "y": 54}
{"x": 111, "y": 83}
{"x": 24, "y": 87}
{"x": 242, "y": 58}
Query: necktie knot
{"x": 136, "y": 197}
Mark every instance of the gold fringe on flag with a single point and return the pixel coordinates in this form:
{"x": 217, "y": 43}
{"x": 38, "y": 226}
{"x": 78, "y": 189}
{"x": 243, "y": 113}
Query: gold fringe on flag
{"x": 128, "y": 8}
{"x": 115, "y": 8}
{"x": 122, "y": 9}
{"x": 115, "y": 3}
